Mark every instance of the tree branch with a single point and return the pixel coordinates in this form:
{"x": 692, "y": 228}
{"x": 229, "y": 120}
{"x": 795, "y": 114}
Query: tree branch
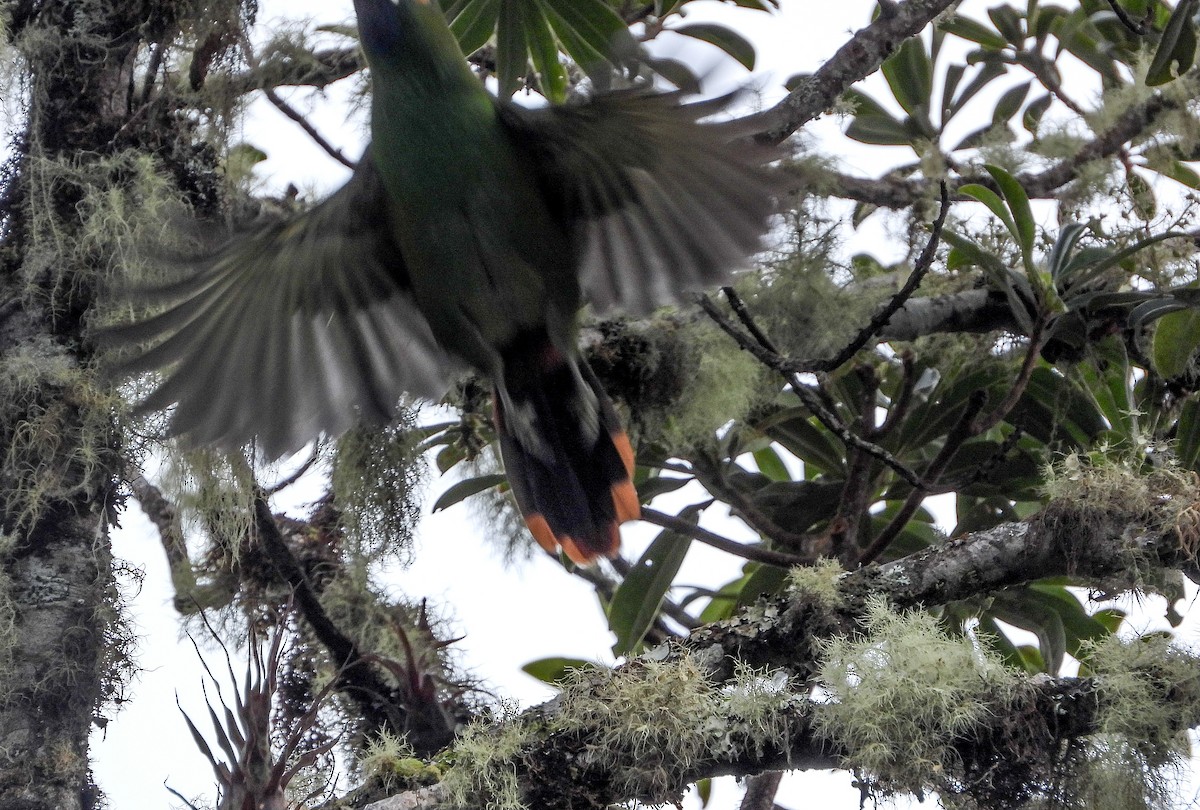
{"x": 858, "y": 58}
{"x": 897, "y": 193}
{"x": 1087, "y": 540}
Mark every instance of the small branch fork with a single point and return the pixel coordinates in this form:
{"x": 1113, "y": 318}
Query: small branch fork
{"x": 973, "y": 421}
{"x": 755, "y": 341}
{"x": 291, "y": 112}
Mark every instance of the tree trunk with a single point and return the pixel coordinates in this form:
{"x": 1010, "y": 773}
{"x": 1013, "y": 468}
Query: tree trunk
{"x": 58, "y": 442}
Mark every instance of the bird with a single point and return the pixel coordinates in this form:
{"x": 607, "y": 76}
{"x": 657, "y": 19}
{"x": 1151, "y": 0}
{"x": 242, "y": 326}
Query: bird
{"x": 471, "y": 234}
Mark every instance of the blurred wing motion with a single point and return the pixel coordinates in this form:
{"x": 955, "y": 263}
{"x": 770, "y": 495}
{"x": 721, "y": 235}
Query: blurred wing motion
{"x": 660, "y": 203}
{"x": 500, "y": 215}
{"x": 299, "y": 327}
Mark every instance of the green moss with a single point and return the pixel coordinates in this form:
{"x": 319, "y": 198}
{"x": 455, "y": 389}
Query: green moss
{"x": 391, "y": 761}
{"x": 663, "y": 716}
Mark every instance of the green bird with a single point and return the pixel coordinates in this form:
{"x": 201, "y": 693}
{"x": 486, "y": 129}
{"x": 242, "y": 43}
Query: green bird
{"x": 472, "y": 231}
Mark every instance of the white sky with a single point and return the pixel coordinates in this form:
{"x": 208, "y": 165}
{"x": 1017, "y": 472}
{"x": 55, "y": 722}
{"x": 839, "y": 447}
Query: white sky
{"x": 509, "y": 615}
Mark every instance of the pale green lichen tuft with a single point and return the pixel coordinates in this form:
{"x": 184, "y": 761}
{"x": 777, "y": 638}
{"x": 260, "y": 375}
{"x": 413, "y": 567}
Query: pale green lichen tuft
{"x": 377, "y": 476}
{"x": 901, "y": 694}
{"x": 1123, "y": 481}
{"x": 57, "y": 432}
{"x": 818, "y": 582}
{"x": 664, "y": 716}
{"x": 722, "y": 384}
{"x": 484, "y": 770}
{"x": 122, "y": 203}
{"x": 214, "y": 490}
{"x": 1149, "y": 694}
{"x": 761, "y": 706}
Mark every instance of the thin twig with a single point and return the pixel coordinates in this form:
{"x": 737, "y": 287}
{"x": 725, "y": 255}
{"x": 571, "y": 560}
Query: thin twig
{"x": 1130, "y": 23}
{"x": 295, "y": 476}
{"x": 319, "y": 139}
{"x": 961, "y": 431}
{"x": 1036, "y": 341}
{"x": 901, "y": 401}
{"x": 881, "y": 317}
{"x": 742, "y": 550}
{"x": 831, "y": 422}
{"x": 287, "y": 109}
{"x": 712, "y": 478}
{"x": 809, "y": 398}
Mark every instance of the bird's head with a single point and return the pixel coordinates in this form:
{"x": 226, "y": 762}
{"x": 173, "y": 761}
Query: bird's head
{"x": 405, "y": 35}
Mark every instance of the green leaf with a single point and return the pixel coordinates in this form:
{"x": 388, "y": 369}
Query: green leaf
{"x": 994, "y": 203}
{"x": 725, "y": 601}
{"x": 909, "y": 74}
{"x": 722, "y": 37}
{"x": 771, "y": 465}
{"x": 1054, "y": 409}
{"x": 465, "y": 489}
{"x": 1008, "y": 22}
{"x": 988, "y": 72}
{"x": 592, "y": 33}
{"x": 1176, "y": 337}
{"x": 1034, "y": 112}
{"x": 657, "y": 485}
{"x": 1187, "y": 434}
{"x": 1012, "y": 656}
{"x": 873, "y": 124}
{"x": 1177, "y": 48}
{"x": 1142, "y": 195}
{"x": 966, "y": 252}
{"x": 976, "y": 138}
{"x": 449, "y": 455}
{"x": 861, "y": 211}
{"x": 704, "y": 791}
{"x": 1018, "y": 203}
{"x": 1010, "y": 103}
{"x": 1123, "y": 254}
{"x": 543, "y": 50}
{"x": 674, "y": 71}
{"x": 1181, "y": 173}
{"x": 811, "y": 444}
{"x": 950, "y": 81}
{"x": 1022, "y": 609}
{"x": 474, "y": 23}
{"x": 973, "y": 31}
{"x": 1060, "y": 254}
{"x": 637, "y": 599}
{"x": 1150, "y": 311}
{"x": 765, "y": 580}
{"x": 557, "y": 670}
{"x": 511, "y": 52}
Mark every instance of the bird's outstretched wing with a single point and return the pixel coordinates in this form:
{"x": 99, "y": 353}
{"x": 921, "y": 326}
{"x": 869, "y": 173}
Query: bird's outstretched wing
{"x": 300, "y": 327}
{"x": 659, "y": 202}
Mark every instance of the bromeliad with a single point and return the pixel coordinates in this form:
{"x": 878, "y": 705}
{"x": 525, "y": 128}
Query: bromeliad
{"x": 472, "y": 230}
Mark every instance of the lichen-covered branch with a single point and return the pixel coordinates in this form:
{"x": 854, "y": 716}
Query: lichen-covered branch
{"x": 858, "y": 58}
{"x": 944, "y": 713}
{"x": 901, "y": 192}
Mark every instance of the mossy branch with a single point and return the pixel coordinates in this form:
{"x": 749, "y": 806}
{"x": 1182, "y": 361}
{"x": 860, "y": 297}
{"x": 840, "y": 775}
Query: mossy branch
{"x": 1000, "y": 733}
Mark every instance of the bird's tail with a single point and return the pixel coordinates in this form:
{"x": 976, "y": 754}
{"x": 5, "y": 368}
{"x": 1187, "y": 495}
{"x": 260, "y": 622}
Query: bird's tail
{"x": 568, "y": 461}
